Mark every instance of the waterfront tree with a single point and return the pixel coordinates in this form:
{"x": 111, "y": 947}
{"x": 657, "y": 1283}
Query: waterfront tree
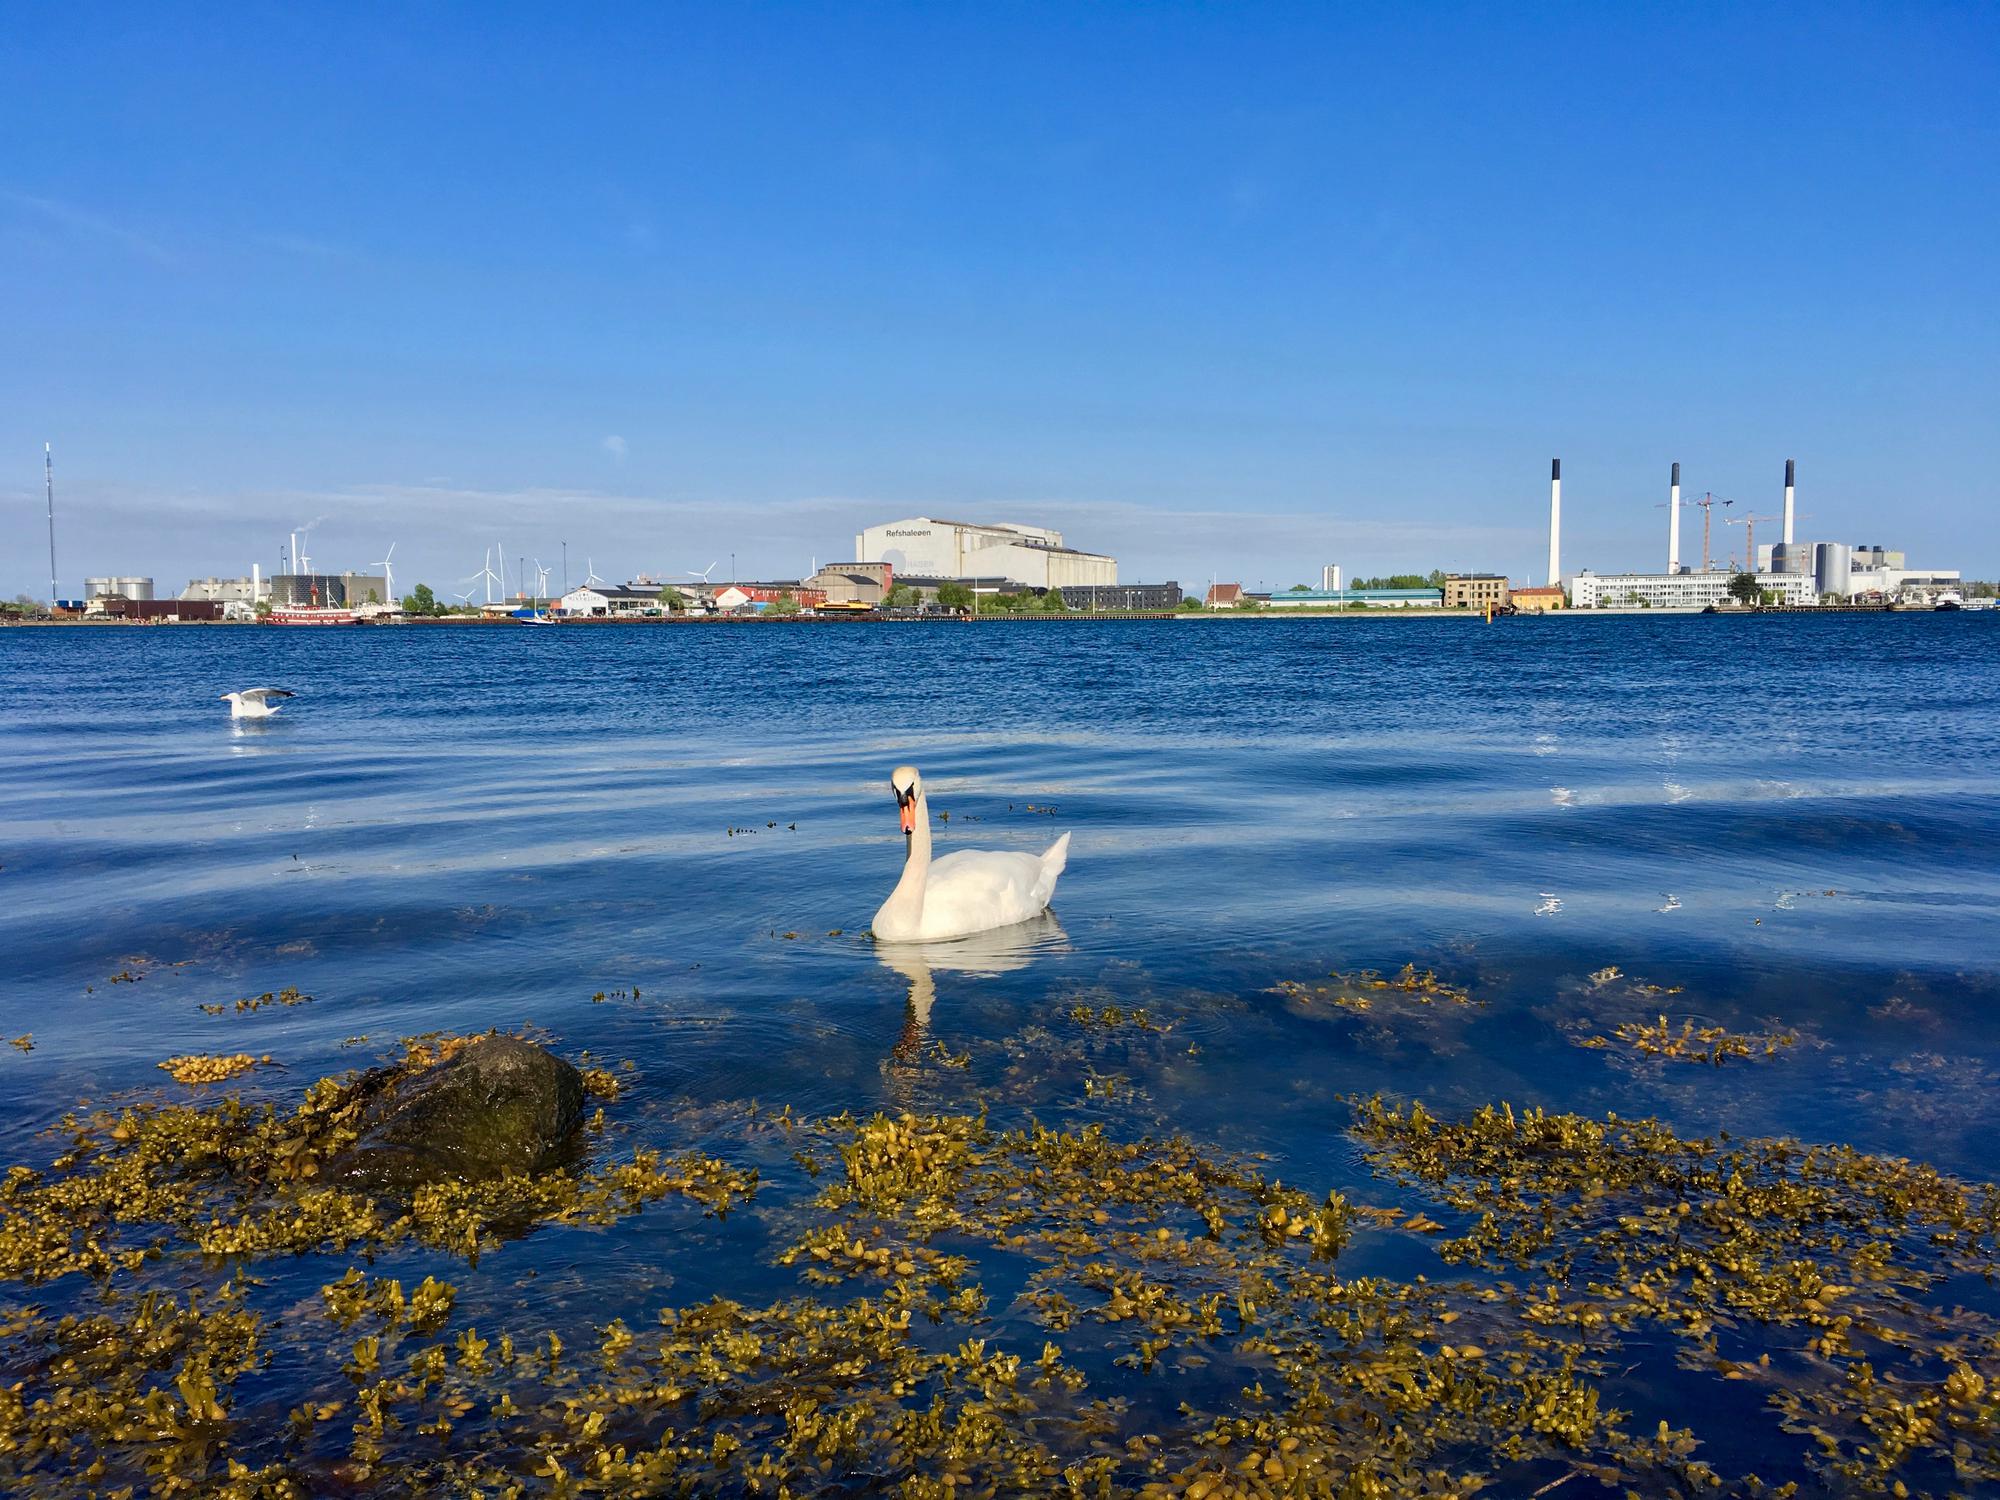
{"x": 784, "y": 604}
{"x": 671, "y": 598}
{"x": 1433, "y": 579}
{"x": 954, "y": 595}
{"x": 1053, "y": 599}
{"x": 420, "y": 601}
{"x": 1743, "y": 588}
{"x": 902, "y": 596}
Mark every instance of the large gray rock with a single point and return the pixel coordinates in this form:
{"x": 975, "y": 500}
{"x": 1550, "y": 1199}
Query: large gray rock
{"x": 498, "y": 1106}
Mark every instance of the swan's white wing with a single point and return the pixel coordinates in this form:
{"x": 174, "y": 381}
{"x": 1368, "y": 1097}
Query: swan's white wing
{"x": 972, "y": 890}
{"x": 1049, "y": 869}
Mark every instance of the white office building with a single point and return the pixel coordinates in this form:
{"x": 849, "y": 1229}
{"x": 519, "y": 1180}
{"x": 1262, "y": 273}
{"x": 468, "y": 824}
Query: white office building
{"x": 1692, "y": 590}
{"x": 1032, "y": 555}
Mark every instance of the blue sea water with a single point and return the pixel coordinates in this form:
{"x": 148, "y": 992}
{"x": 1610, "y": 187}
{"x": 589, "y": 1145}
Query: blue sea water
{"x": 1782, "y": 823}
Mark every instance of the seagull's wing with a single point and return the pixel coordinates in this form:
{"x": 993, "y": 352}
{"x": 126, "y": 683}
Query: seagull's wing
{"x": 263, "y": 695}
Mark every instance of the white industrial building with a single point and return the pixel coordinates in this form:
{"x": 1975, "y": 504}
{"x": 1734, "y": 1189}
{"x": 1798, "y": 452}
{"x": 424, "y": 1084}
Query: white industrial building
{"x": 1845, "y": 571}
{"x": 222, "y": 590}
{"x": 1694, "y": 590}
{"x": 1031, "y": 555}
{"x": 604, "y": 601}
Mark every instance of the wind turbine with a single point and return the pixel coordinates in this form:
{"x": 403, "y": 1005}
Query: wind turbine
{"x": 541, "y": 580}
{"x": 389, "y": 576}
{"x": 703, "y": 574}
{"x": 590, "y": 578}
{"x": 466, "y": 597}
{"x": 486, "y": 572}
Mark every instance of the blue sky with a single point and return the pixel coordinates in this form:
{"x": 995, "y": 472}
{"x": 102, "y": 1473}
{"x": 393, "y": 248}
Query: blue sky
{"x": 1229, "y": 289}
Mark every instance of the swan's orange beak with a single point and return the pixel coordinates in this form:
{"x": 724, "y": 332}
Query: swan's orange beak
{"x": 909, "y": 814}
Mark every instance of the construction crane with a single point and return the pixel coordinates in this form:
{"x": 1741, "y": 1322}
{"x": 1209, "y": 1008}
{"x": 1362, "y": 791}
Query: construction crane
{"x": 1706, "y": 502}
{"x": 1749, "y": 525}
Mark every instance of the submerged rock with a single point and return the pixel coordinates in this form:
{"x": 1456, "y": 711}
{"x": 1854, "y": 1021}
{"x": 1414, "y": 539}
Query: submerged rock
{"x": 495, "y": 1107}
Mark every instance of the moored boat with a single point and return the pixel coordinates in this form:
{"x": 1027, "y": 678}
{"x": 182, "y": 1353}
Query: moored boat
{"x": 311, "y": 614}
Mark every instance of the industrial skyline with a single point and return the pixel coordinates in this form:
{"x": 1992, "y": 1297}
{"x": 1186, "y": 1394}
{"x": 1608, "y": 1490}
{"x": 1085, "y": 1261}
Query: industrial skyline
{"x": 1603, "y": 530}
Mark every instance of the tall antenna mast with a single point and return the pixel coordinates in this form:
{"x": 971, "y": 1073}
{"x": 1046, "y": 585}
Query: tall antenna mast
{"x": 49, "y": 481}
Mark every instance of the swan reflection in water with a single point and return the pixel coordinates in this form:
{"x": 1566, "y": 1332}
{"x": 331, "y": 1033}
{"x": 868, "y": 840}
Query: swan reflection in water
{"x": 998, "y": 951}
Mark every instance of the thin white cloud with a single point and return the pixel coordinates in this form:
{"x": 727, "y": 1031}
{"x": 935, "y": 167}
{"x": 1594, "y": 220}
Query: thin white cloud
{"x": 615, "y": 446}
{"x": 84, "y": 224}
{"x": 304, "y": 247}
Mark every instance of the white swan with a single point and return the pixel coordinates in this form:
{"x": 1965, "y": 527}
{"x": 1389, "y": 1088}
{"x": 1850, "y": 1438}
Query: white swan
{"x": 970, "y": 890}
{"x": 254, "y": 703}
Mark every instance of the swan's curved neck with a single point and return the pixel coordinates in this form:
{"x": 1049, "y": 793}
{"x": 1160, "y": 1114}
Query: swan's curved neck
{"x": 908, "y": 896}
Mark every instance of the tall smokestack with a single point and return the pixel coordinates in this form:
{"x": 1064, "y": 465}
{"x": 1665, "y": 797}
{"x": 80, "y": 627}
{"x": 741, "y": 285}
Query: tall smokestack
{"x": 1789, "y": 464}
{"x": 1555, "y": 521}
{"x": 1674, "y": 522}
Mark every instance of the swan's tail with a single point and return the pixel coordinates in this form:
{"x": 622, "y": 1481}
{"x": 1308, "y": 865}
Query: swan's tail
{"x": 1053, "y": 862}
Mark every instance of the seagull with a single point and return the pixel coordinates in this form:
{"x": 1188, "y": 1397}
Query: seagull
{"x": 254, "y": 703}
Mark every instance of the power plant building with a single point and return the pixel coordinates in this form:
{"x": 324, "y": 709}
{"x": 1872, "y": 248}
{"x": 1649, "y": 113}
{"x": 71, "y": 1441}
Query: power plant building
{"x": 1841, "y": 570}
{"x": 1031, "y": 555}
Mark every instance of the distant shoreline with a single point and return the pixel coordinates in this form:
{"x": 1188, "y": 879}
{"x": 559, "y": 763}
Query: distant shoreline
{"x": 1012, "y": 618}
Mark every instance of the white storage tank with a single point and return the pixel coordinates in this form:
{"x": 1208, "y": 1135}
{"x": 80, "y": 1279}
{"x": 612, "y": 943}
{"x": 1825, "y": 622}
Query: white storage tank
{"x": 1833, "y": 567}
{"x": 1792, "y": 557}
{"x": 128, "y": 587}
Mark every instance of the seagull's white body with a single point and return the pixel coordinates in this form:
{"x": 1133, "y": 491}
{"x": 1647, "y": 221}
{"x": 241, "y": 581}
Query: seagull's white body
{"x": 968, "y": 891}
{"x": 254, "y": 703}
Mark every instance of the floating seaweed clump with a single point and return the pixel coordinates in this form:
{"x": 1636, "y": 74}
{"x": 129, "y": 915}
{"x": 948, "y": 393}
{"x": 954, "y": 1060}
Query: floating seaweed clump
{"x": 1638, "y": 1229}
{"x": 1707, "y": 1044}
{"x": 290, "y": 995}
{"x": 1111, "y": 1017}
{"x": 1362, "y": 988}
{"x": 209, "y": 1069}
